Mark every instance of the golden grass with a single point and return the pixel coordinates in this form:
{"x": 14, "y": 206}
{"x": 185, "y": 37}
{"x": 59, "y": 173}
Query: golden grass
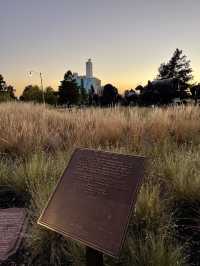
{"x": 26, "y": 127}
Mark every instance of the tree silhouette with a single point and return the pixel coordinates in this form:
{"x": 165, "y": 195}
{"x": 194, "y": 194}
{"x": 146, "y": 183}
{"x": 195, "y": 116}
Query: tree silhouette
{"x": 68, "y": 91}
{"x": 131, "y": 97}
{"x": 2, "y": 83}
{"x": 178, "y": 67}
{"x": 83, "y": 95}
{"x": 7, "y": 93}
{"x": 11, "y": 91}
{"x": 195, "y": 90}
{"x": 110, "y": 94}
{"x": 32, "y": 94}
{"x": 35, "y": 94}
{"x": 50, "y": 96}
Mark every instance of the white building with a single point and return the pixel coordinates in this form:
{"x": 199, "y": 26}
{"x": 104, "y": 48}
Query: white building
{"x": 88, "y": 81}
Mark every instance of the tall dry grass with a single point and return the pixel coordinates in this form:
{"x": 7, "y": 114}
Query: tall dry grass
{"x": 26, "y": 128}
{"x": 36, "y": 144}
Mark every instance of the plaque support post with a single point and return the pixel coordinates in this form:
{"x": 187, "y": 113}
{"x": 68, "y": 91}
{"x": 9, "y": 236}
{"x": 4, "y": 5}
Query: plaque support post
{"x": 93, "y": 257}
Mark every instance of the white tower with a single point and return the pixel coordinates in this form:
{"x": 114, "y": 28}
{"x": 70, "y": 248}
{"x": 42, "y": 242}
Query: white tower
{"x": 89, "y": 73}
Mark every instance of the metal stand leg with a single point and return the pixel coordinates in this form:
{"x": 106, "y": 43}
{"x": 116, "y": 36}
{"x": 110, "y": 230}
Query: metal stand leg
{"x": 93, "y": 257}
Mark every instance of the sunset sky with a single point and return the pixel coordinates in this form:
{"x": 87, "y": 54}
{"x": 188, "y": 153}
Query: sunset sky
{"x": 126, "y": 39}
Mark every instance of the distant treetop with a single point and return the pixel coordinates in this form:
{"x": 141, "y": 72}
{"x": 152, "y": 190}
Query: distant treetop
{"x": 177, "y": 67}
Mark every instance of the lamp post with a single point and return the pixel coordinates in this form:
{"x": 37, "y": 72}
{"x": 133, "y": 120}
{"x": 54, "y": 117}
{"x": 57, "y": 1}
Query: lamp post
{"x": 41, "y": 83}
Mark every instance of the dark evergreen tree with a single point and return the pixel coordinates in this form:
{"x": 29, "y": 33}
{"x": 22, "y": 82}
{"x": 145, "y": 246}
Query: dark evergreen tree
{"x": 178, "y": 67}
{"x": 68, "y": 91}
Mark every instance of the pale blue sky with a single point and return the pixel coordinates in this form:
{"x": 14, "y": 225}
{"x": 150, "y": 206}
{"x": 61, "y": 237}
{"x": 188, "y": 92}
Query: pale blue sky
{"x": 127, "y": 39}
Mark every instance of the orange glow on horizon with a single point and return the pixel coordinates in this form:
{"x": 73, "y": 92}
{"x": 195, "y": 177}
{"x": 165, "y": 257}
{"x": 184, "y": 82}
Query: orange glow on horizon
{"x": 120, "y": 85}
{"x": 123, "y": 80}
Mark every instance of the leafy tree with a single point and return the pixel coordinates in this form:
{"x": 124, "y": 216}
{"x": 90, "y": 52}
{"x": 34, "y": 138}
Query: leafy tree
{"x": 32, "y": 94}
{"x": 4, "y": 97}
{"x": 35, "y": 94}
{"x": 195, "y": 90}
{"x": 2, "y": 83}
{"x": 178, "y": 67}
{"x": 110, "y": 94}
{"x": 7, "y": 93}
{"x": 159, "y": 92}
{"x": 131, "y": 97}
{"x": 139, "y": 88}
{"x": 149, "y": 95}
{"x": 11, "y": 91}
{"x": 50, "y": 96}
{"x": 68, "y": 91}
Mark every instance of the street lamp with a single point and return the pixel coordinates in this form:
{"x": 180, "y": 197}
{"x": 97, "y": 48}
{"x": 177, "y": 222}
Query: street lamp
{"x": 41, "y": 82}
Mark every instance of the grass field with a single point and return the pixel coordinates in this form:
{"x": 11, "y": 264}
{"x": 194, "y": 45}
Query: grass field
{"x": 36, "y": 144}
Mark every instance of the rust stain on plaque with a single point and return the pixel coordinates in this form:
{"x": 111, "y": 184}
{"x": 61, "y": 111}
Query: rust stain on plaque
{"x": 93, "y": 200}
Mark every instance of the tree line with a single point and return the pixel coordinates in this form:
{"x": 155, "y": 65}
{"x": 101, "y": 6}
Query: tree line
{"x": 68, "y": 94}
{"x": 173, "y": 81}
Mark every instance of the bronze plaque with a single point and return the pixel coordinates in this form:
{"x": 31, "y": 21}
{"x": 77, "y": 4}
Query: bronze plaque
{"x": 93, "y": 200}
